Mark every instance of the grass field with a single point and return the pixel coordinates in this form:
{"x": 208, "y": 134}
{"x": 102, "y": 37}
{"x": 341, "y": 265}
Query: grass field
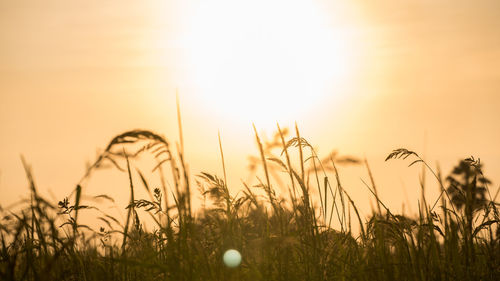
{"x": 313, "y": 231}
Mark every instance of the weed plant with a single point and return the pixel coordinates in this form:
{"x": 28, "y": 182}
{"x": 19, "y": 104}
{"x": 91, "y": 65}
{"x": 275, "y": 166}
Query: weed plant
{"x": 305, "y": 233}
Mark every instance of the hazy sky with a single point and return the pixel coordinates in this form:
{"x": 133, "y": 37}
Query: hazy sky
{"x": 362, "y": 77}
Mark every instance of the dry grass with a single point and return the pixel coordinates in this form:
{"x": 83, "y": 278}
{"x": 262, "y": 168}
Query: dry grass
{"x": 286, "y": 236}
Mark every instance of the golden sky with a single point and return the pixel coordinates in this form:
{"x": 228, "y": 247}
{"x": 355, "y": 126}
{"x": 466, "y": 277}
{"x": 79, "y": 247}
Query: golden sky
{"x": 362, "y": 77}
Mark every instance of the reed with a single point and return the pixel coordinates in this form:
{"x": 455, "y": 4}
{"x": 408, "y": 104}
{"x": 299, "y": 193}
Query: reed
{"x": 298, "y": 235}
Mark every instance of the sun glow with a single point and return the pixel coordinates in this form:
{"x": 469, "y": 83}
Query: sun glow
{"x": 264, "y": 60}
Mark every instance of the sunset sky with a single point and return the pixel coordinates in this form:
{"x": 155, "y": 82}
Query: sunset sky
{"x": 361, "y": 77}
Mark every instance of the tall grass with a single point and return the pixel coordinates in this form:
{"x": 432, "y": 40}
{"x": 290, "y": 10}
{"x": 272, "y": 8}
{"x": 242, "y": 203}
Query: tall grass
{"x": 304, "y": 233}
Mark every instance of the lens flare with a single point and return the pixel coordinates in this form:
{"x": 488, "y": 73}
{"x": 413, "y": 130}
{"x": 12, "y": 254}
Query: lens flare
{"x": 232, "y": 258}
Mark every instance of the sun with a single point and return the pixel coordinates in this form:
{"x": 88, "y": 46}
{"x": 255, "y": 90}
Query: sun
{"x": 264, "y": 61}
